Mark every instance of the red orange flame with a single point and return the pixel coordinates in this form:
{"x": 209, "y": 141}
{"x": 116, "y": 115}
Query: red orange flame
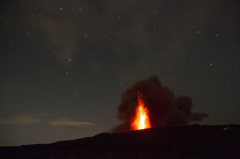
{"x": 141, "y": 119}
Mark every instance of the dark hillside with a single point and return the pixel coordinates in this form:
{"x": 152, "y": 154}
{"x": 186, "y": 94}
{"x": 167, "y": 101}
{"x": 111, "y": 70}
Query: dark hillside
{"x": 170, "y": 142}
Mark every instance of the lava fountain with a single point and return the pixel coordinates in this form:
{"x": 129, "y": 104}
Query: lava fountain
{"x": 141, "y": 119}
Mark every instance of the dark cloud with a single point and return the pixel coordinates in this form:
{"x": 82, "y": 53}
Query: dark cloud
{"x": 165, "y": 108}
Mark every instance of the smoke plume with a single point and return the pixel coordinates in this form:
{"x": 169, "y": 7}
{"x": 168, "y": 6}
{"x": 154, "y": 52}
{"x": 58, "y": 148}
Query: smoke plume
{"x": 165, "y": 108}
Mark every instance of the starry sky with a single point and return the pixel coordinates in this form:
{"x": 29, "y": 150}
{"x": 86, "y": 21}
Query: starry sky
{"x": 64, "y": 64}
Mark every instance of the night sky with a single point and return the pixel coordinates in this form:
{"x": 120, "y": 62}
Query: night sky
{"x": 64, "y": 64}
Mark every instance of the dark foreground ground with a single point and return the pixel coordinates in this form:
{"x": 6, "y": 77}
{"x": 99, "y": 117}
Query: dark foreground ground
{"x": 188, "y": 142}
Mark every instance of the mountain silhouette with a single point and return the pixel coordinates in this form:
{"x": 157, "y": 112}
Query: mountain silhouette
{"x": 193, "y": 141}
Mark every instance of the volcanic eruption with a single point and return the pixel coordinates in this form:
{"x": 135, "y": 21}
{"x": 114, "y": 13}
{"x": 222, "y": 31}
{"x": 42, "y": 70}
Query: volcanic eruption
{"x": 159, "y": 108}
{"x": 141, "y": 120}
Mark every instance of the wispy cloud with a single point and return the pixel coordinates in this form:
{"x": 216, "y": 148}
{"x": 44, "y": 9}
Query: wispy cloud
{"x": 29, "y": 119}
{"x": 67, "y": 122}
{"x": 22, "y": 119}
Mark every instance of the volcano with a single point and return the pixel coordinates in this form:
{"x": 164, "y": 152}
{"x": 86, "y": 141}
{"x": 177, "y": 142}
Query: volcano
{"x": 149, "y": 104}
{"x": 193, "y": 141}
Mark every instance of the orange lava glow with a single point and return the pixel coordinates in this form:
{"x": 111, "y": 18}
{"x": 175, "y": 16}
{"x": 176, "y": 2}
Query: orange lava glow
{"x": 141, "y": 119}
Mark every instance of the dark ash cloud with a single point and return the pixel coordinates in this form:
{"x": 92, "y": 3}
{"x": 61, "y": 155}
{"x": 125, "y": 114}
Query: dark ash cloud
{"x": 165, "y": 108}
